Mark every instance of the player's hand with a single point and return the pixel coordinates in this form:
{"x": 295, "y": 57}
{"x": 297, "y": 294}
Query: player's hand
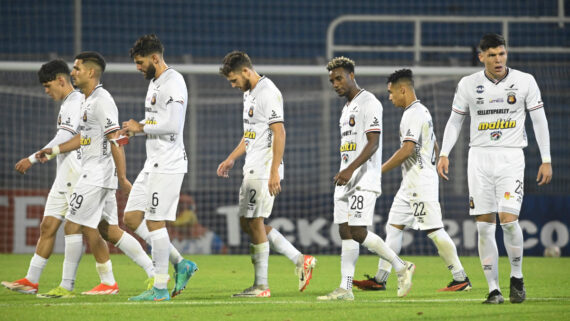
{"x": 132, "y": 127}
{"x": 443, "y": 167}
{"x": 544, "y": 174}
{"x": 125, "y": 186}
{"x": 225, "y": 167}
{"x": 23, "y": 165}
{"x": 41, "y": 156}
{"x": 342, "y": 177}
{"x": 274, "y": 184}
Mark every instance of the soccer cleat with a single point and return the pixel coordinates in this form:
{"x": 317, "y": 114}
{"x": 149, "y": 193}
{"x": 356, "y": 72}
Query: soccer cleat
{"x": 456, "y": 286}
{"x": 370, "y": 284}
{"x": 57, "y": 293}
{"x": 103, "y": 289}
{"x": 256, "y": 291}
{"x": 338, "y": 294}
{"x": 518, "y": 292}
{"x": 405, "y": 279}
{"x": 183, "y": 271}
{"x": 495, "y": 297}
{"x": 22, "y": 286}
{"x": 153, "y": 294}
{"x": 305, "y": 272}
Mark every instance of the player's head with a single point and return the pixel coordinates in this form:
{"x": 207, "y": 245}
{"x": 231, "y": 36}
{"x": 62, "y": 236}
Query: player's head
{"x": 147, "y": 52}
{"x": 493, "y": 53}
{"x": 54, "y": 76}
{"x": 88, "y": 66}
{"x": 238, "y": 70}
{"x": 401, "y": 87}
{"x": 341, "y": 75}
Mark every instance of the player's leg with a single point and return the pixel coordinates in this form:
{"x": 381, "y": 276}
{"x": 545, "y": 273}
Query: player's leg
{"x": 103, "y": 263}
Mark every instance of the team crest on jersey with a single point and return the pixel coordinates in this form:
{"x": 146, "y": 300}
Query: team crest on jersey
{"x": 250, "y": 112}
{"x": 345, "y": 157}
{"x": 351, "y": 121}
{"x": 480, "y": 89}
{"x": 496, "y": 135}
{"x": 471, "y": 203}
{"x": 511, "y": 98}
{"x": 153, "y": 99}
{"x": 507, "y": 195}
{"x": 85, "y": 115}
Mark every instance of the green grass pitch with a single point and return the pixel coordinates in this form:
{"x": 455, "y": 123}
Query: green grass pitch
{"x": 207, "y": 296}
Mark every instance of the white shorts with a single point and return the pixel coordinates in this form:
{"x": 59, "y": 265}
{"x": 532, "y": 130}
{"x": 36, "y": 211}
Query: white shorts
{"x": 89, "y": 204}
{"x": 254, "y": 198}
{"x": 496, "y": 177}
{"x": 415, "y": 214}
{"x": 57, "y": 204}
{"x": 355, "y": 206}
{"x": 157, "y": 195}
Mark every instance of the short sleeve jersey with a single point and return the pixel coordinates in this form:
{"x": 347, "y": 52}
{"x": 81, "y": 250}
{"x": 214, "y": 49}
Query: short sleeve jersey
{"x": 497, "y": 108}
{"x": 69, "y": 164}
{"x": 99, "y": 118}
{"x": 362, "y": 115}
{"x": 262, "y": 106}
{"x": 419, "y": 175}
{"x": 165, "y": 153}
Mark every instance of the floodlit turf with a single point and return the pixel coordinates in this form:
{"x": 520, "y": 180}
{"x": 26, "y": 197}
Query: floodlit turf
{"x": 207, "y": 296}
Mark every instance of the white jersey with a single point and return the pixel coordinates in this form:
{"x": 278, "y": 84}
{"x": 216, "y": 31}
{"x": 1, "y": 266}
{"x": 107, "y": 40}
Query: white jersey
{"x": 262, "y": 106}
{"x": 497, "y": 108}
{"x": 165, "y": 153}
{"x": 363, "y": 114}
{"x": 419, "y": 175}
{"x": 69, "y": 164}
{"x": 99, "y": 118}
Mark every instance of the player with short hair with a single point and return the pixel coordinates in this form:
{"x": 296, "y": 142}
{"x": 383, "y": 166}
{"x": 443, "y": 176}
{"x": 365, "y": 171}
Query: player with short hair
{"x": 93, "y": 205}
{"x": 497, "y": 99}
{"x": 263, "y": 143}
{"x": 416, "y": 204}
{"x": 156, "y": 191}
{"x": 358, "y": 181}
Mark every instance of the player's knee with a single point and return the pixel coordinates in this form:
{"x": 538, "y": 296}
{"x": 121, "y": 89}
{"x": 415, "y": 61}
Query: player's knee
{"x": 48, "y": 228}
{"x": 358, "y": 233}
{"x": 132, "y": 220}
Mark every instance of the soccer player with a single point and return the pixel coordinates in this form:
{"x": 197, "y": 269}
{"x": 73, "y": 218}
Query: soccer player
{"x": 416, "y": 204}
{"x": 93, "y": 197}
{"x": 358, "y": 181}
{"x": 497, "y": 99}
{"x": 156, "y": 191}
{"x": 263, "y": 143}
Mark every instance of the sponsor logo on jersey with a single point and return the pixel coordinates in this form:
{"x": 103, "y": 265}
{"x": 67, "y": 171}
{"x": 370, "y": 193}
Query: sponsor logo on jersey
{"x": 150, "y": 110}
{"x": 480, "y": 89}
{"x": 249, "y": 134}
{"x": 492, "y": 111}
{"x": 250, "y": 112}
{"x": 85, "y": 115}
{"x": 507, "y": 196}
{"x": 496, "y": 135}
{"x": 153, "y": 99}
{"x": 480, "y": 101}
{"x": 499, "y": 124}
{"x": 109, "y": 123}
{"x": 347, "y": 133}
{"x": 409, "y": 133}
{"x": 375, "y": 122}
{"x": 511, "y": 98}
{"x": 351, "y": 121}
{"x": 496, "y": 101}
{"x": 345, "y": 157}
{"x": 471, "y": 203}
{"x": 273, "y": 115}
{"x": 151, "y": 121}
{"x": 85, "y": 141}
{"x": 348, "y": 147}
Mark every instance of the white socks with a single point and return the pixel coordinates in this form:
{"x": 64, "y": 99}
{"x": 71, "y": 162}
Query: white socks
{"x": 448, "y": 252}
{"x": 375, "y": 244}
{"x": 73, "y": 253}
{"x": 489, "y": 254}
{"x": 143, "y": 232}
{"x": 281, "y": 245}
{"x": 513, "y": 238}
{"x": 160, "y": 242}
{"x": 394, "y": 238}
{"x": 105, "y": 271}
{"x": 260, "y": 259}
{"x": 37, "y": 265}
{"x": 133, "y": 249}
{"x": 350, "y": 249}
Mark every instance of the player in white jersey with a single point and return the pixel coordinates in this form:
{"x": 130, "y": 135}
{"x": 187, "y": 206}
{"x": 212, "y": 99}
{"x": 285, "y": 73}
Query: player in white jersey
{"x": 416, "y": 204}
{"x": 263, "y": 142}
{"x": 156, "y": 191}
{"x": 358, "y": 181}
{"x": 54, "y": 76}
{"x": 497, "y": 100}
{"x": 93, "y": 206}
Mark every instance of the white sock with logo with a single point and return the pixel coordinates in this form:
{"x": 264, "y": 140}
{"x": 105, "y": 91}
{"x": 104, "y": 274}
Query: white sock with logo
{"x": 73, "y": 253}
{"x": 394, "y": 238}
{"x": 350, "y": 249}
{"x": 260, "y": 260}
{"x": 281, "y": 244}
{"x": 37, "y": 265}
{"x": 489, "y": 254}
{"x": 513, "y": 238}
{"x": 448, "y": 252}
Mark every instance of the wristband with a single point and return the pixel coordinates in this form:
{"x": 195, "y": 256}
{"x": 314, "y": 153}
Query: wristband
{"x": 32, "y": 158}
{"x": 546, "y": 160}
{"x": 55, "y": 150}
{"x": 443, "y": 155}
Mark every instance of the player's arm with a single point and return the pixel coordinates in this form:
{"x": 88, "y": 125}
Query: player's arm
{"x": 399, "y": 156}
{"x": 450, "y": 135}
{"x": 225, "y": 166}
{"x": 72, "y": 144}
{"x": 540, "y": 125}
{"x": 342, "y": 177}
{"x": 61, "y": 136}
{"x": 118, "y": 153}
{"x": 168, "y": 123}
{"x": 278, "y": 130}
